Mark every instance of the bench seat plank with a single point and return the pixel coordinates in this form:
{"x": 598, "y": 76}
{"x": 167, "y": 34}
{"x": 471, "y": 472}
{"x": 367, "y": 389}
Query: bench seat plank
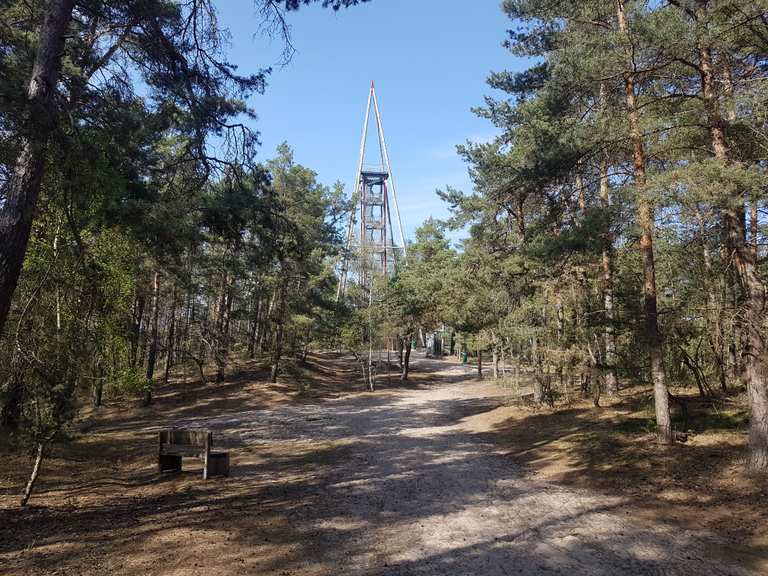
{"x": 182, "y": 450}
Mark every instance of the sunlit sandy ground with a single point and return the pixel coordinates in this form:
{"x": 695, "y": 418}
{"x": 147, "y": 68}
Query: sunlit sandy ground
{"x": 411, "y": 480}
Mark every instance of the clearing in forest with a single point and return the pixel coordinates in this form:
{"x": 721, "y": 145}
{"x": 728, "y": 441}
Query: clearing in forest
{"x": 411, "y": 480}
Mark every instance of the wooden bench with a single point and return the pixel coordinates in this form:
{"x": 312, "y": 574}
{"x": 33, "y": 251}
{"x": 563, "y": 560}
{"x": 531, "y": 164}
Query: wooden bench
{"x": 175, "y": 443}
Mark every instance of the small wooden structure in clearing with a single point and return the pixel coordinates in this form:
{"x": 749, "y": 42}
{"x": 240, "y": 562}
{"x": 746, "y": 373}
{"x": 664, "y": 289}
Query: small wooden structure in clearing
{"x": 174, "y": 444}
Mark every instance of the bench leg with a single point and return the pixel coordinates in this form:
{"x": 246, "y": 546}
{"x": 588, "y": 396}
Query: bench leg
{"x": 168, "y": 463}
{"x": 218, "y": 465}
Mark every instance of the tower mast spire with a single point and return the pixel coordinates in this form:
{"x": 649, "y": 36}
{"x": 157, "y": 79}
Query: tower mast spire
{"x": 383, "y": 145}
{"x": 376, "y": 253}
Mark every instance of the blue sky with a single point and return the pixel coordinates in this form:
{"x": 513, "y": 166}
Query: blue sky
{"x": 429, "y": 60}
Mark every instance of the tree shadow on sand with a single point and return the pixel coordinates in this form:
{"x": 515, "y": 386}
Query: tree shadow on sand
{"x": 369, "y": 484}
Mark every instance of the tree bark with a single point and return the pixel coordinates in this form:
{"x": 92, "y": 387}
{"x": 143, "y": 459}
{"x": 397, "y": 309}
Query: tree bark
{"x": 754, "y": 228}
{"x": 144, "y": 342}
{"x": 189, "y": 316}
{"x": 647, "y": 222}
{"x": 23, "y": 189}
{"x": 738, "y": 334}
{"x": 611, "y": 379}
{"x": 538, "y": 390}
{"x": 479, "y": 363}
{"x": 265, "y": 329}
{"x": 503, "y": 359}
{"x": 406, "y": 358}
{"x": 152, "y": 357}
{"x": 40, "y": 452}
{"x": 138, "y": 315}
{"x": 222, "y": 347}
{"x": 277, "y": 350}
{"x": 752, "y": 289}
{"x": 98, "y": 387}
{"x": 255, "y": 317}
{"x": 277, "y": 353}
{"x": 170, "y": 346}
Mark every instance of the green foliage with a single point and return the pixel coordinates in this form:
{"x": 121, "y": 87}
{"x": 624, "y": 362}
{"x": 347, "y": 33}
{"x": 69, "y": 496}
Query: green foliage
{"x": 129, "y": 382}
{"x": 555, "y": 201}
{"x": 157, "y": 240}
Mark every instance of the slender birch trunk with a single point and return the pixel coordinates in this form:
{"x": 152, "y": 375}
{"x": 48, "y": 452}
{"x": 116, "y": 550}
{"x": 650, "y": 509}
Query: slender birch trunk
{"x": 39, "y": 453}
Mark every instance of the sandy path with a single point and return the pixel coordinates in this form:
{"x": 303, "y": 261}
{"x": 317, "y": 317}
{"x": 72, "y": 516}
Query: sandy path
{"x": 388, "y": 483}
{"x": 415, "y": 493}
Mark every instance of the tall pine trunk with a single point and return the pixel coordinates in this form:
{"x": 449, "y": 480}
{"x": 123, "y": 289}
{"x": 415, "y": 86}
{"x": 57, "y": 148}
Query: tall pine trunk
{"x": 170, "y": 348}
{"x": 23, "y": 189}
{"x": 152, "y": 357}
{"x": 611, "y": 379}
{"x": 222, "y": 352}
{"x": 752, "y": 289}
{"x": 138, "y": 315}
{"x": 277, "y": 349}
{"x": 254, "y": 328}
{"x": 646, "y": 220}
{"x": 537, "y": 361}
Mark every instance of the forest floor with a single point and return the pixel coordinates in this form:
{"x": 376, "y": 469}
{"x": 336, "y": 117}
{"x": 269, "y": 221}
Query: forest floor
{"x": 441, "y": 476}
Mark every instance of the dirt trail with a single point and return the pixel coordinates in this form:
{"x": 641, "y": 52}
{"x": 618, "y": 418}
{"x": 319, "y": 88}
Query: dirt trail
{"x": 418, "y": 494}
{"x": 392, "y": 482}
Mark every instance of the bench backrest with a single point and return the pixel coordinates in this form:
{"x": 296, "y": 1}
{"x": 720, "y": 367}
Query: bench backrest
{"x": 185, "y": 438}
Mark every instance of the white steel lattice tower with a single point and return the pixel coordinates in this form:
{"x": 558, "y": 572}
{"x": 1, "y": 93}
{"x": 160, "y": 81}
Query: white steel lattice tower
{"x": 371, "y": 250}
